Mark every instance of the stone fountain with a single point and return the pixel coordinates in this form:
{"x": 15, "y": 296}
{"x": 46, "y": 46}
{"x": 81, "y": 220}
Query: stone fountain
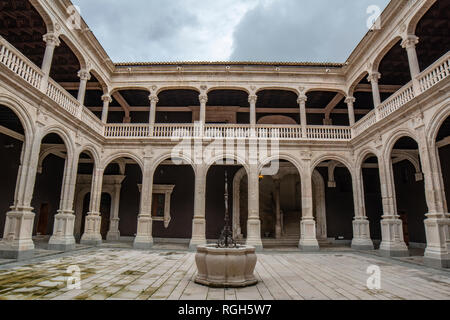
{"x": 226, "y": 264}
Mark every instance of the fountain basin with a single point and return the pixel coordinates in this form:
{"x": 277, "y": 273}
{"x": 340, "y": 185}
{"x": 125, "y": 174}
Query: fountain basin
{"x": 226, "y": 267}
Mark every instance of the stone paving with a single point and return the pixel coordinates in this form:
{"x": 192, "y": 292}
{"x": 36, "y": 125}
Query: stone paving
{"x": 121, "y": 273}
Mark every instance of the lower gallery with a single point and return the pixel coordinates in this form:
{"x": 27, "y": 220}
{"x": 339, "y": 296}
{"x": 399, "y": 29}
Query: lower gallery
{"x": 121, "y": 165}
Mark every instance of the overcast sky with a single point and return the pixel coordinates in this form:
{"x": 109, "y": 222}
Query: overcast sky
{"x": 228, "y": 30}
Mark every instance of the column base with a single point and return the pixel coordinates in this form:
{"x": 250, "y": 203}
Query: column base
{"x": 144, "y": 239}
{"x": 392, "y": 244}
{"x": 198, "y": 233}
{"x": 308, "y": 239}
{"x": 9, "y": 252}
{"x": 17, "y": 242}
{"x": 363, "y": 246}
{"x": 437, "y": 253}
{"x": 361, "y": 235}
{"x": 143, "y": 243}
{"x": 195, "y": 243}
{"x": 443, "y": 263}
{"x": 254, "y": 234}
{"x": 92, "y": 236}
{"x": 309, "y": 246}
{"x": 63, "y": 239}
{"x": 394, "y": 250}
{"x": 113, "y": 236}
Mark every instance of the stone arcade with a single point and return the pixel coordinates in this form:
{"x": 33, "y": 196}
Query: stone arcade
{"x": 87, "y": 145}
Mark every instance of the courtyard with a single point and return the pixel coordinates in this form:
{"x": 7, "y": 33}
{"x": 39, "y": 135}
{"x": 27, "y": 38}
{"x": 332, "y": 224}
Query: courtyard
{"x": 117, "y": 272}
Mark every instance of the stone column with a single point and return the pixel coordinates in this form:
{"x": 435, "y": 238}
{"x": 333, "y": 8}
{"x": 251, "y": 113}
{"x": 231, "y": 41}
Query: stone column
{"x": 199, "y": 221}
{"x": 373, "y": 79}
{"x": 17, "y": 240}
{"x": 84, "y": 76}
{"x": 278, "y": 230}
{"x": 144, "y": 236}
{"x": 351, "y": 110}
{"x": 437, "y": 253}
{"x": 252, "y": 99}
{"x": 410, "y": 45}
{"x": 361, "y": 226}
{"x": 63, "y": 230}
{"x": 203, "y": 101}
{"x": 52, "y": 41}
{"x": 392, "y": 243}
{"x": 113, "y": 232}
{"x": 153, "y": 103}
{"x": 254, "y": 222}
{"x": 93, "y": 221}
{"x": 308, "y": 236}
{"x": 303, "y": 120}
{"x": 106, "y": 98}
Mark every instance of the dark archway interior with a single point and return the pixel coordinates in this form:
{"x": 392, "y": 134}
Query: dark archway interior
{"x": 433, "y": 31}
{"x": 339, "y": 204}
{"x": 215, "y": 203}
{"x": 10, "y": 153}
{"x": 48, "y": 186}
{"x": 372, "y": 196}
{"x": 182, "y": 201}
{"x": 410, "y": 195}
{"x": 444, "y": 156}
{"x": 130, "y": 196}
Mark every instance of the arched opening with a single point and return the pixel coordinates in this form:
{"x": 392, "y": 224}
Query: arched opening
{"x": 82, "y": 191}
{"x": 227, "y": 107}
{"x": 65, "y": 68}
{"x": 129, "y": 106}
{"x": 280, "y": 204}
{"x": 215, "y": 190}
{"x": 443, "y": 147}
{"x": 178, "y": 106}
{"x": 410, "y": 192}
{"x": 173, "y": 200}
{"x": 48, "y": 185}
{"x": 23, "y": 27}
{"x": 122, "y": 180}
{"x": 372, "y": 196}
{"x": 433, "y": 30}
{"x": 394, "y": 70}
{"x": 280, "y": 105}
{"x": 339, "y": 202}
{"x": 326, "y": 108}
{"x": 364, "y": 97}
{"x": 95, "y": 90}
{"x": 12, "y": 137}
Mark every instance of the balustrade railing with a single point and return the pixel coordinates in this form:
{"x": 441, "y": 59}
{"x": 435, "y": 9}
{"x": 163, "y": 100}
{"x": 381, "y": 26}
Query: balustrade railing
{"x": 437, "y": 72}
{"x": 396, "y": 101}
{"x": 14, "y": 60}
{"x": 63, "y": 98}
{"x": 329, "y": 133}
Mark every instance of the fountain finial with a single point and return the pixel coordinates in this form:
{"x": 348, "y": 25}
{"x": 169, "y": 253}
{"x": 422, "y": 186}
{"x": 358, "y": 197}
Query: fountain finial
{"x": 226, "y": 238}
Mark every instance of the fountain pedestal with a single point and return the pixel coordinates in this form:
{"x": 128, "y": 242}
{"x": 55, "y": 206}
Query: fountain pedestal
{"x": 226, "y": 267}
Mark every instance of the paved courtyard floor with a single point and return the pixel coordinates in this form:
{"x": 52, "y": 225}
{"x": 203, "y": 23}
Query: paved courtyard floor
{"x": 122, "y": 273}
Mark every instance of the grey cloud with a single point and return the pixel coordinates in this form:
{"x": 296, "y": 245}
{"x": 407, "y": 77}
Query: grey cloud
{"x": 293, "y": 30}
{"x": 274, "y": 30}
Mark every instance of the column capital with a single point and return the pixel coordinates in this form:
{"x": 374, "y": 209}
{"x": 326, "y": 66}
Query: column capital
{"x": 84, "y": 75}
{"x": 374, "y": 77}
{"x": 203, "y": 98}
{"x": 350, "y": 100}
{"x": 252, "y": 98}
{"x": 410, "y": 41}
{"x": 51, "y": 39}
{"x": 106, "y": 98}
{"x": 302, "y": 98}
{"x": 153, "y": 98}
